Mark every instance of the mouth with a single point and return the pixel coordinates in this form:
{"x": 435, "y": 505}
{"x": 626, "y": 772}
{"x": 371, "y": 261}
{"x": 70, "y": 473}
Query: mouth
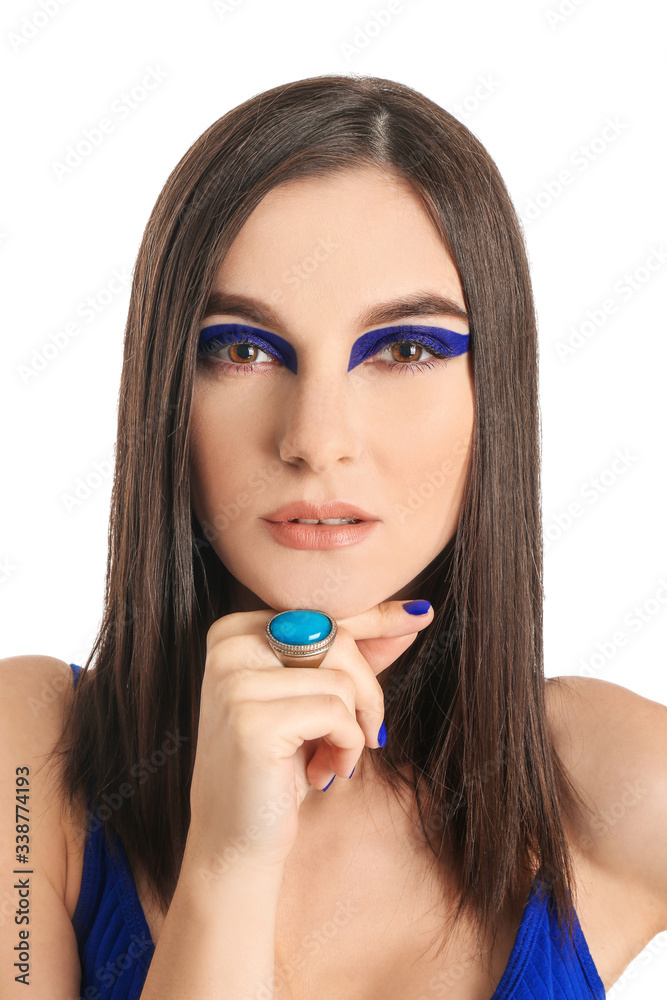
{"x": 311, "y": 533}
{"x": 329, "y": 520}
{"x": 332, "y": 513}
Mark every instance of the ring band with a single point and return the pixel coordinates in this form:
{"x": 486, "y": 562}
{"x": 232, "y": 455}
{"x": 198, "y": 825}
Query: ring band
{"x": 301, "y": 637}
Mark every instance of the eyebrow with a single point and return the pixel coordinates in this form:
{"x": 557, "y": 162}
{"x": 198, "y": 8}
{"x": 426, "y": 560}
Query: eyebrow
{"x": 417, "y": 304}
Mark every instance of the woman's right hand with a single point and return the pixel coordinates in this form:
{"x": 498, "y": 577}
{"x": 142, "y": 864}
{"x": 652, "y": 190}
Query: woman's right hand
{"x": 255, "y": 759}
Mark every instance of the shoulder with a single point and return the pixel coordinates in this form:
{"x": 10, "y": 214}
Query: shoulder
{"x": 41, "y": 680}
{"x": 613, "y": 743}
{"x": 33, "y": 692}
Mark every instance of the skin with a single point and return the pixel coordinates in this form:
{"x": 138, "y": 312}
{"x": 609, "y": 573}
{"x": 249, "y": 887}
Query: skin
{"x": 367, "y": 436}
{"x": 371, "y": 435}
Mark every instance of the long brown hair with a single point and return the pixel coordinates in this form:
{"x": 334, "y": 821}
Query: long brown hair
{"x": 465, "y": 704}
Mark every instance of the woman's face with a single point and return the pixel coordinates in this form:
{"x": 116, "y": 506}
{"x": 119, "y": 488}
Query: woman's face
{"x": 315, "y": 256}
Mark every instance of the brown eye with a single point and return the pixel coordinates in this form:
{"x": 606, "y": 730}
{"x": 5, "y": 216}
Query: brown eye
{"x": 406, "y": 350}
{"x": 245, "y": 351}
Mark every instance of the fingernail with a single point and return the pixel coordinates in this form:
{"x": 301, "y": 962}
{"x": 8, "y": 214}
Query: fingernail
{"x": 417, "y": 607}
{"x": 330, "y": 783}
{"x": 382, "y": 735}
{"x": 353, "y": 770}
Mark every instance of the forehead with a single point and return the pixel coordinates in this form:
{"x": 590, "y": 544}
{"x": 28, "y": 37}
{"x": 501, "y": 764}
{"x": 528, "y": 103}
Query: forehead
{"x": 337, "y": 242}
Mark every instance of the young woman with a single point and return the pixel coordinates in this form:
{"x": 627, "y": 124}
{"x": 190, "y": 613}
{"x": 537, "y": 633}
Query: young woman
{"x": 331, "y": 319}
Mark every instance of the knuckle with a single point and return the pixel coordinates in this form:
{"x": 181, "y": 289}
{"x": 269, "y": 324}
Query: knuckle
{"x": 387, "y": 610}
{"x": 234, "y": 648}
{"x": 222, "y": 626}
{"x": 215, "y": 633}
{"x": 230, "y": 650}
{"x": 346, "y": 644}
{"x": 232, "y": 618}
{"x": 235, "y": 684}
{"x": 343, "y": 684}
{"x": 336, "y": 704}
{"x": 243, "y": 720}
{"x": 343, "y": 637}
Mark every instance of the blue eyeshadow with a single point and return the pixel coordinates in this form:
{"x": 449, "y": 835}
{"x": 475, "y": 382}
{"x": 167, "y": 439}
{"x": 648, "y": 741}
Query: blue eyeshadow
{"x": 446, "y": 341}
{"x": 274, "y": 345}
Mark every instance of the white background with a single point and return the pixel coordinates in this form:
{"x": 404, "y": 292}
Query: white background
{"x": 538, "y": 87}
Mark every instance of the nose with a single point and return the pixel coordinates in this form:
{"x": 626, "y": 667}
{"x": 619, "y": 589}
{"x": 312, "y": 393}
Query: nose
{"x": 319, "y": 422}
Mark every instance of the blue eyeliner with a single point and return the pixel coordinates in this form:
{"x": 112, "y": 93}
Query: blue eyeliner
{"x": 450, "y": 343}
{"x": 447, "y": 341}
{"x": 230, "y": 333}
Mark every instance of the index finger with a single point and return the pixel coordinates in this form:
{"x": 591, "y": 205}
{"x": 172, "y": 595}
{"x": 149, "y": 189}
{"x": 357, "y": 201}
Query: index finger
{"x": 383, "y": 620}
{"x": 387, "y": 619}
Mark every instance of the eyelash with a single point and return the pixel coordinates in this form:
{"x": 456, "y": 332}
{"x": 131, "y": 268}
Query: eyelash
{"x": 250, "y": 368}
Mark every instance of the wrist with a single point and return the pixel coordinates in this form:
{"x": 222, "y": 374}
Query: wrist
{"x": 212, "y": 870}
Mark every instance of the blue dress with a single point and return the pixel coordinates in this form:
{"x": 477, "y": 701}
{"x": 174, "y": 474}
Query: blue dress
{"x": 115, "y": 946}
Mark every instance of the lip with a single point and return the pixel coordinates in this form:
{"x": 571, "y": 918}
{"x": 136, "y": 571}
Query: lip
{"x": 319, "y": 536}
{"x": 333, "y": 508}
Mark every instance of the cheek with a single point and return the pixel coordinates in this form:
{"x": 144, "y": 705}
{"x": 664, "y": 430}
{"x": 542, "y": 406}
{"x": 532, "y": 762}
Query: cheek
{"x": 221, "y": 461}
{"x": 206, "y": 464}
{"x": 431, "y": 452}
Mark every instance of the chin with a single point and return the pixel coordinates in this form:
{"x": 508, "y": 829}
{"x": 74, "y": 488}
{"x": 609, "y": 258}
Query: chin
{"x": 335, "y": 608}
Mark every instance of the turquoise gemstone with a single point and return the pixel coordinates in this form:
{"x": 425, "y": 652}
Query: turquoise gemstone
{"x": 299, "y": 628}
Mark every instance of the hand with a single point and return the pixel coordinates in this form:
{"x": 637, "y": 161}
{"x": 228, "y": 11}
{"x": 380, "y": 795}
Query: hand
{"x": 254, "y": 763}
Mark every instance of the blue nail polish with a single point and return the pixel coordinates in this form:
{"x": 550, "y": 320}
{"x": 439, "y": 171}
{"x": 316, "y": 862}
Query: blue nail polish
{"x": 382, "y": 735}
{"x": 330, "y": 783}
{"x": 417, "y": 607}
{"x": 353, "y": 770}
